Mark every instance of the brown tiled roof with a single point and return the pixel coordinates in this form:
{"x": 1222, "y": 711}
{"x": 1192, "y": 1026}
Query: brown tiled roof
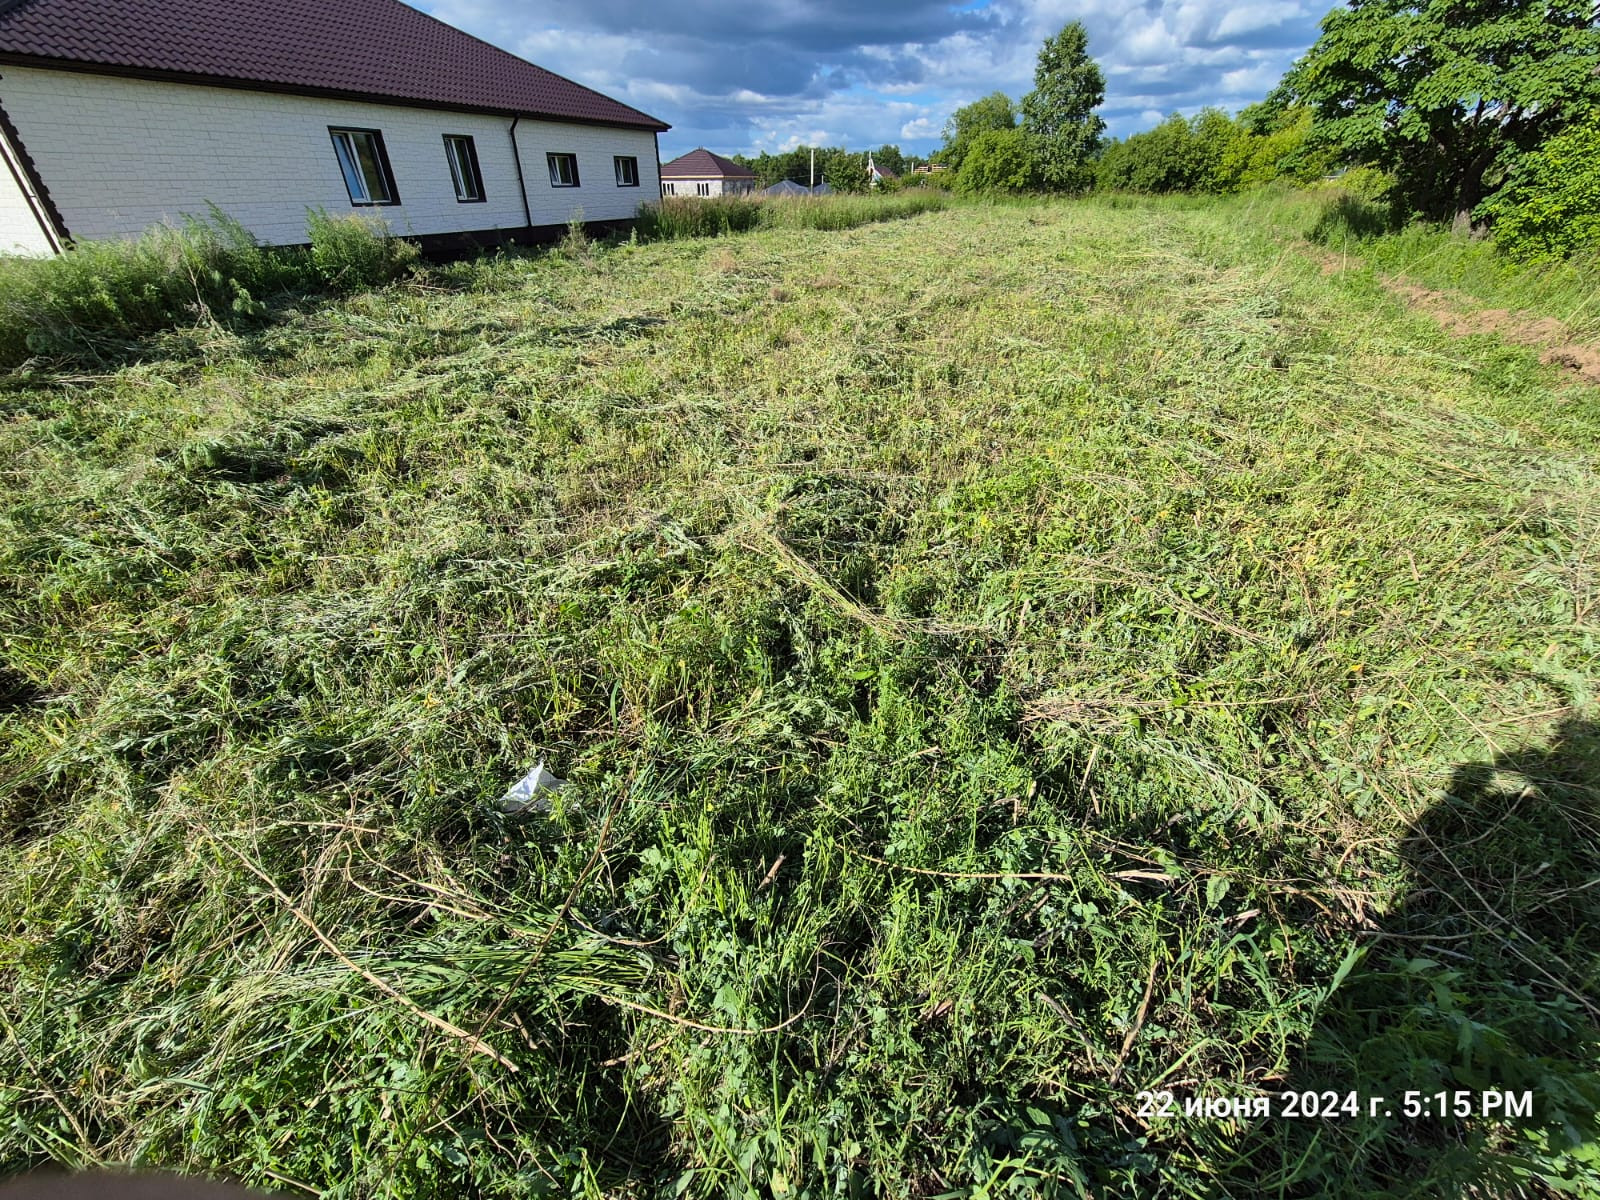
{"x": 368, "y": 49}
{"x": 702, "y": 164}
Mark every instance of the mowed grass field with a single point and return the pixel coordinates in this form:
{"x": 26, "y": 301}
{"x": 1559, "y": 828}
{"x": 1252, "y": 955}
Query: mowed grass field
{"x": 1003, "y": 661}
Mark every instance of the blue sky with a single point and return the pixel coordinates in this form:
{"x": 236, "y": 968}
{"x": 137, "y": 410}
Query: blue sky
{"x": 743, "y": 76}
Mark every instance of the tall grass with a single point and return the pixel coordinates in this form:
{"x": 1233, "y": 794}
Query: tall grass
{"x": 99, "y": 296}
{"x": 1352, "y": 222}
{"x": 687, "y": 217}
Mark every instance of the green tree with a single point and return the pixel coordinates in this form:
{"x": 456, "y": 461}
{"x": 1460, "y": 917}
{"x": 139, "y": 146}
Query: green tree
{"x": 1058, "y": 115}
{"x": 993, "y": 113}
{"x": 1448, "y": 94}
{"x": 1551, "y": 206}
{"x": 1163, "y": 159}
{"x": 844, "y": 170}
{"x": 890, "y": 158}
{"x": 1270, "y": 145}
{"x": 997, "y": 161}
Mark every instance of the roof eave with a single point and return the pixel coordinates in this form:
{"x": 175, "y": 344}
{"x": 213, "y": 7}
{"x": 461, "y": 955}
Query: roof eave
{"x": 648, "y": 123}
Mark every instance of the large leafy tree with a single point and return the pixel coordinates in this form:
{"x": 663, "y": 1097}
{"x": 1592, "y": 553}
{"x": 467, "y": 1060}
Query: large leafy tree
{"x": 1448, "y": 94}
{"x": 1058, "y": 115}
{"x": 994, "y": 112}
{"x": 844, "y": 170}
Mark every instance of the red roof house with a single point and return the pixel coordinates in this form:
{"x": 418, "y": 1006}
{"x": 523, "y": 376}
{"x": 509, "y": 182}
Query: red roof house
{"x": 119, "y": 114}
{"x": 702, "y": 173}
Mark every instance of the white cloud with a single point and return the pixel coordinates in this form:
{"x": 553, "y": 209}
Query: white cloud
{"x": 741, "y": 76}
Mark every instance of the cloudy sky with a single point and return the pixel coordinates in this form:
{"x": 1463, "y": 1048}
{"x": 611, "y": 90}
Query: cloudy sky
{"x": 743, "y": 76}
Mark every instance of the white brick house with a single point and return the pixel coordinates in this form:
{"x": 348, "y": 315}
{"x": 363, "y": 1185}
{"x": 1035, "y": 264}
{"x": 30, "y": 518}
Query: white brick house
{"x": 116, "y": 115}
{"x": 702, "y": 173}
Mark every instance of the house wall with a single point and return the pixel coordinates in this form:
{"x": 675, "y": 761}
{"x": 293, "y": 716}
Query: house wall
{"x": 20, "y": 231}
{"x": 719, "y": 187}
{"x": 120, "y": 155}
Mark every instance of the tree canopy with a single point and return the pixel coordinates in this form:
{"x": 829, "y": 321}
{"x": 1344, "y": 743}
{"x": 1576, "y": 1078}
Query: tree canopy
{"x": 993, "y": 112}
{"x": 1058, "y": 115}
{"x": 1448, "y": 94}
{"x": 844, "y": 170}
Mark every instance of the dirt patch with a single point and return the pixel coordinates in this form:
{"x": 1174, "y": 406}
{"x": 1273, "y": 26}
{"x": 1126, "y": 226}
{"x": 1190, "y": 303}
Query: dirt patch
{"x": 1457, "y": 316}
{"x": 1522, "y": 328}
{"x": 1584, "y": 361}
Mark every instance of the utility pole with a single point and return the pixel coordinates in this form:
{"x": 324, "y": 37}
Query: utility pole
{"x": 813, "y": 168}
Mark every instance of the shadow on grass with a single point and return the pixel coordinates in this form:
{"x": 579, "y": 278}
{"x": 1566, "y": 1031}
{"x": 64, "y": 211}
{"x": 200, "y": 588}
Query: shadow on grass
{"x": 1485, "y": 982}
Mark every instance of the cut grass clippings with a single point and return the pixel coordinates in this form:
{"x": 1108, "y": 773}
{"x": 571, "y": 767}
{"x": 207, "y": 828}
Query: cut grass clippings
{"x": 1003, "y": 661}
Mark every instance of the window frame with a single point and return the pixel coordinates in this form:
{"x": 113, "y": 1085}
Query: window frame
{"x": 554, "y": 156}
{"x": 452, "y": 156}
{"x": 617, "y": 161}
{"x": 343, "y": 139}
{"x": 702, "y": 189}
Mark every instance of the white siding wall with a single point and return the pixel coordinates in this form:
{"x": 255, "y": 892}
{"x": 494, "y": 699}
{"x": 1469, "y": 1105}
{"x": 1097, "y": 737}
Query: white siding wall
{"x": 20, "y": 232}
{"x": 120, "y": 155}
{"x": 596, "y": 146}
{"x": 719, "y": 187}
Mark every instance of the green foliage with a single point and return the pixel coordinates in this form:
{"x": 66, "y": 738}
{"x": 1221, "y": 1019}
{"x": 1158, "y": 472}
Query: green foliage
{"x": 355, "y": 251}
{"x": 1168, "y": 158}
{"x": 793, "y": 164}
{"x": 1058, "y": 115}
{"x": 1448, "y": 94}
{"x": 1550, "y": 209}
{"x": 689, "y": 217}
{"x": 997, "y": 162}
{"x": 1269, "y": 144}
{"x": 994, "y": 113}
{"x": 890, "y": 158}
{"x": 99, "y": 296}
{"x": 692, "y": 217}
{"x": 1001, "y": 662}
{"x": 844, "y": 171}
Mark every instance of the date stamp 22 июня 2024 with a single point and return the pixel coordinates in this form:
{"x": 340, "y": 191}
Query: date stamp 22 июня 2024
{"x": 1489, "y": 1103}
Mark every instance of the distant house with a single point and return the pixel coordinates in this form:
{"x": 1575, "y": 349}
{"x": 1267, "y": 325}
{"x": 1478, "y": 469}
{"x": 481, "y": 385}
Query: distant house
{"x": 116, "y": 115}
{"x": 702, "y": 173}
{"x": 788, "y": 187}
{"x": 877, "y": 174}
{"x": 929, "y": 168}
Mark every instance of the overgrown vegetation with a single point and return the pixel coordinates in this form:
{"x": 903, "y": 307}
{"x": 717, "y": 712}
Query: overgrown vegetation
{"x": 1003, "y": 661}
{"x": 100, "y": 296}
{"x": 692, "y": 217}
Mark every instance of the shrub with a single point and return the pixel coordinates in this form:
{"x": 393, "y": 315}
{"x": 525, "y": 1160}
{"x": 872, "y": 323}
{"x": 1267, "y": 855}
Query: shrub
{"x": 997, "y": 161}
{"x": 1550, "y": 208}
{"x": 355, "y": 251}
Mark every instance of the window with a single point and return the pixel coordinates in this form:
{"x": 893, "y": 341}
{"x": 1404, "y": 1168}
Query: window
{"x": 627, "y": 171}
{"x": 669, "y": 189}
{"x": 702, "y": 189}
{"x": 365, "y": 165}
{"x": 563, "y": 169}
{"x": 463, "y": 156}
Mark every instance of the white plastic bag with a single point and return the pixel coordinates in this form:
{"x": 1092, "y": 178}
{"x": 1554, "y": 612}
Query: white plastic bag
{"x": 533, "y": 791}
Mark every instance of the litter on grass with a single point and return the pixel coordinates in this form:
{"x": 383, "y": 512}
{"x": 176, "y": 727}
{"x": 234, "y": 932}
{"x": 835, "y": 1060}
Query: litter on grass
{"x": 533, "y": 791}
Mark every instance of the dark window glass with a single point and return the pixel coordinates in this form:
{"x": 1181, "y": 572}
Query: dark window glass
{"x": 365, "y": 166}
